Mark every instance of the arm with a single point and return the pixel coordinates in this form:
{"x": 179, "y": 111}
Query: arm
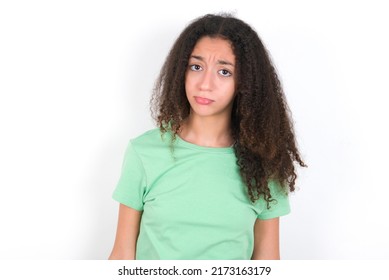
{"x": 266, "y": 240}
{"x": 126, "y": 234}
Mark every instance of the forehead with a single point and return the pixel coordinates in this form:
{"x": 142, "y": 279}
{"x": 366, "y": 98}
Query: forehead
{"x": 214, "y": 46}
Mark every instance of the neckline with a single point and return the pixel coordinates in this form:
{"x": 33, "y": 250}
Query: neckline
{"x": 192, "y": 146}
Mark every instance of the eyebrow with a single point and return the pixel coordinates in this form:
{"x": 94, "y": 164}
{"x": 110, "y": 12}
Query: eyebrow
{"x": 222, "y": 62}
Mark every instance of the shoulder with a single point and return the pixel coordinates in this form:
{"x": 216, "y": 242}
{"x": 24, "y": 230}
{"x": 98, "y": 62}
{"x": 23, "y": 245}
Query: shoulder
{"x": 148, "y": 133}
{"x": 151, "y": 150}
{"x": 280, "y": 206}
{"x": 150, "y": 140}
{"x": 152, "y": 135}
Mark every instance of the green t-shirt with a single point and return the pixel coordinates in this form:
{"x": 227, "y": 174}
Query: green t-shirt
{"x": 194, "y": 203}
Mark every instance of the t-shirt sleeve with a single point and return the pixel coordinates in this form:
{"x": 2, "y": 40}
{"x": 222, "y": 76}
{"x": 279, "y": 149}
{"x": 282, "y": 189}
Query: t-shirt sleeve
{"x": 278, "y": 208}
{"x": 132, "y": 182}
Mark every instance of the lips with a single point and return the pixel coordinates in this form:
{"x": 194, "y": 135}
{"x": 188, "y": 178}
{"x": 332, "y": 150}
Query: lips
{"x": 203, "y": 101}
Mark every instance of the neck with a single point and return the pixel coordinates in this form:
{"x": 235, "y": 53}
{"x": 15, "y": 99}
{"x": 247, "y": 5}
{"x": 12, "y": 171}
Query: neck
{"x": 207, "y": 131}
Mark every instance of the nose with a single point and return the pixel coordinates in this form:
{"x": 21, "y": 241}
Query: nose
{"x": 206, "y": 81}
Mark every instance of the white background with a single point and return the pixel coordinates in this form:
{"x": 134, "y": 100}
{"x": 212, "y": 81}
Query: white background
{"x": 75, "y": 83}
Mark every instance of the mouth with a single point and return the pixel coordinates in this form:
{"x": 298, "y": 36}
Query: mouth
{"x": 203, "y": 100}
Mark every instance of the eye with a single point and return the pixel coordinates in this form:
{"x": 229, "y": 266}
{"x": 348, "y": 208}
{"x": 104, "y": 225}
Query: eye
{"x": 195, "y": 67}
{"x": 225, "y": 73}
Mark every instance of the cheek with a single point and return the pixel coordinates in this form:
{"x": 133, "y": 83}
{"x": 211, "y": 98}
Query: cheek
{"x": 190, "y": 82}
{"x": 186, "y": 82}
{"x": 228, "y": 88}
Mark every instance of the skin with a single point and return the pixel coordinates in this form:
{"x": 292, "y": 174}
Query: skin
{"x": 266, "y": 240}
{"x": 126, "y": 234}
{"x": 210, "y": 88}
{"x": 210, "y": 75}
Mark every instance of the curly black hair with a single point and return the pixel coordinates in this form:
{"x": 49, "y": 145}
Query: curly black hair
{"x": 261, "y": 122}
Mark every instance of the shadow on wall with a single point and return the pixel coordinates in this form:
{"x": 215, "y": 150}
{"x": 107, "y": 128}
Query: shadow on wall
{"x": 141, "y": 69}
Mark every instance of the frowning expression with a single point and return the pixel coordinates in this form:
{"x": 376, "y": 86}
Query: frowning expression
{"x": 210, "y": 78}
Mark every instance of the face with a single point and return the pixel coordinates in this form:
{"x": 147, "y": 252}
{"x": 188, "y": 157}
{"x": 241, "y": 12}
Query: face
{"x": 210, "y": 78}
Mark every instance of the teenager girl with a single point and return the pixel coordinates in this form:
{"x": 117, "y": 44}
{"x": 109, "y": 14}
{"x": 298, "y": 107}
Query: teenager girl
{"x": 213, "y": 179}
